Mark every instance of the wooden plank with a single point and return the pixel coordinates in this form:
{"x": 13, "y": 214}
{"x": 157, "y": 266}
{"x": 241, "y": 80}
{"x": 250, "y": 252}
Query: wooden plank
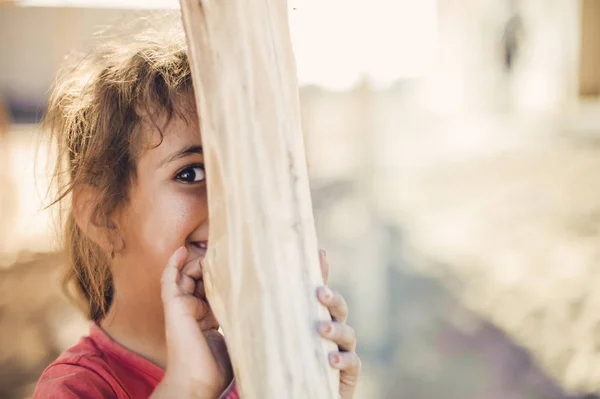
{"x": 589, "y": 64}
{"x": 262, "y": 268}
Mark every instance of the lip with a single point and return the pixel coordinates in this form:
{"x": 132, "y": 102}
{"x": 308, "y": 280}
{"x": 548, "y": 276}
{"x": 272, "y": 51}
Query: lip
{"x": 199, "y": 247}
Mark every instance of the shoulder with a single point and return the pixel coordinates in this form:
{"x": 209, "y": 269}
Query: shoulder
{"x": 79, "y": 372}
{"x": 70, "y": 381}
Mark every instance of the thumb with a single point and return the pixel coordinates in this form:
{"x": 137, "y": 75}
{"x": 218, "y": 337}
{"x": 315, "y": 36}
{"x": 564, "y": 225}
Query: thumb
{"x": 170, "y": 276}
{"x": 189, "y": 356}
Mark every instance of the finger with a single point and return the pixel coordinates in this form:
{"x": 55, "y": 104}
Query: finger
{"x": 341, "y": 334}
{"x": 191, "y": 272}
{"x": 335, "y": 302}
{"x": 324, "y": 265}
{"x": 346, "y": 361}
{"x": 209, "y": 321}
{"x": 193, "y": 269}
{"x": 200, "y": 291}
{"x": 187, "y": 305}
{"x": 187, "y": 285}
{"x": 349, "y": 365}
{"x": 169, "y": 286}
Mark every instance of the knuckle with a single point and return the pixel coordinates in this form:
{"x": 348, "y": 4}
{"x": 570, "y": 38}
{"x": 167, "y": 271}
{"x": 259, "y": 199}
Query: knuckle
{"x": 357, "y": 362}
{"x": 339, "y": 303}
{"x": 351, "y": 333}
{"x": 344, "y": 305}
{"x": 349, "y": 339}
{"x": 337, "y": 299}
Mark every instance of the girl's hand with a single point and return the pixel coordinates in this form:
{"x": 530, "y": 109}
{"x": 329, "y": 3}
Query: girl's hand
{"x": 197, "y": 361}
{"x": 346, "y": 360}
{"x": 192, "y": 370}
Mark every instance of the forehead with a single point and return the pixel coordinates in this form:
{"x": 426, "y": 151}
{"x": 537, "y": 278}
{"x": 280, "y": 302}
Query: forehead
{"x": 160, "y": 138}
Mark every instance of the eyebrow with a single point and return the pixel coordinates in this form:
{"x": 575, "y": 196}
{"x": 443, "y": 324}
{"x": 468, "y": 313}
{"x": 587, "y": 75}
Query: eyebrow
{"x": 184, "y": 152}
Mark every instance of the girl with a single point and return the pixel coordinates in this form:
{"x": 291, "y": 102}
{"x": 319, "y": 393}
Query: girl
{"x": 131, "y": 173}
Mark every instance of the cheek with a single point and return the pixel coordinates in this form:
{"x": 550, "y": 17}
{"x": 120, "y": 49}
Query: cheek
{"x": 166, "y": 220}
{"x": 176, "y": 217}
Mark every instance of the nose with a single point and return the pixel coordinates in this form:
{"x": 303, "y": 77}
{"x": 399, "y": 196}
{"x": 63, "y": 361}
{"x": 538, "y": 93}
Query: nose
{"x": 201, "y": 233}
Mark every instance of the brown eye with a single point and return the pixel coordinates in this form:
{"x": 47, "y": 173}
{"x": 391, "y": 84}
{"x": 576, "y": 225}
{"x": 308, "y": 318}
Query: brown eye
{"x": 191, "y": 174}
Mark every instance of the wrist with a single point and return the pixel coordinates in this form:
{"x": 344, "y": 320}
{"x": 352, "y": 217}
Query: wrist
{"x": 168, "y": 387}
{"x": 174, "y": 387}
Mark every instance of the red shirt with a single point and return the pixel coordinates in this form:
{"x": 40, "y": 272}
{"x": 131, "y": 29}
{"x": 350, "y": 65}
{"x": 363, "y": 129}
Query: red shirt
{"x": 98, "y": 367}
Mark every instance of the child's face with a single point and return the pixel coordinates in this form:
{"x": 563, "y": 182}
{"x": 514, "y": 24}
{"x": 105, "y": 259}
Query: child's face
{"x": 167, "y": 208}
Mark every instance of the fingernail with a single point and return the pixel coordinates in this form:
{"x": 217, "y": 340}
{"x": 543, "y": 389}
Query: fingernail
{"x": 326, "y": 328}
{"x": 323, "y": 253}
{"x": 327, "y": 293}
{"x": 335, "y": 358}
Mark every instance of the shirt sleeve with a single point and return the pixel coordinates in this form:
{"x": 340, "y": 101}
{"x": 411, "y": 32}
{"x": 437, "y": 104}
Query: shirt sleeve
{"x": 68, "y": 381}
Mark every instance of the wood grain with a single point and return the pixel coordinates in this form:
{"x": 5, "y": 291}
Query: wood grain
{"x": 262, "y": 268}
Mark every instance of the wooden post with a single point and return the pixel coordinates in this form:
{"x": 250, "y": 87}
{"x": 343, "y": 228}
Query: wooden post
{"x": 589, "y": 56}
{"x": 262, "y": 268}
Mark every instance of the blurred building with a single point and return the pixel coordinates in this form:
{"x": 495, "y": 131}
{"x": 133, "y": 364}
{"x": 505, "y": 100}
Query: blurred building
{"x": 452, "y": 147}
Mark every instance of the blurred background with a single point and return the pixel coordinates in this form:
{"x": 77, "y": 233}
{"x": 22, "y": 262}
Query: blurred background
{"x": 454, "y": 153}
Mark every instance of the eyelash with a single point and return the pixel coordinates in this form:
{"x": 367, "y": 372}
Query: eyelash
{"x": 195, "y": 166}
